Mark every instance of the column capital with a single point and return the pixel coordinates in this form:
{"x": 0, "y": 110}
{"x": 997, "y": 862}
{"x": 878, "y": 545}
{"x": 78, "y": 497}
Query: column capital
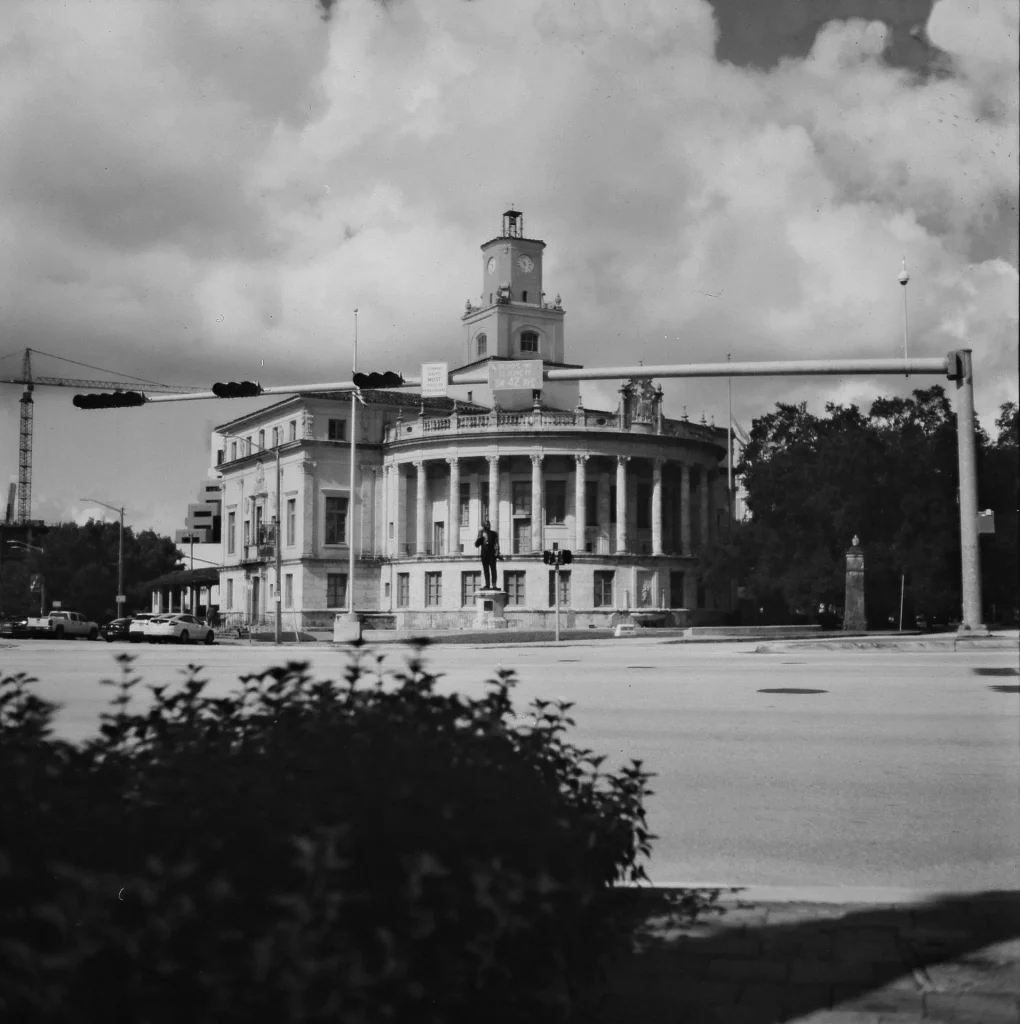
{"x": 419, "y": 464}
{"x": 453, "y": 460}
{"x": 581, "y": 457}
{"x": 492, "y": 460}
{"x": 536, "y": 458}
{"x": 622, "y": 460}
{"x": 659, "y": 461}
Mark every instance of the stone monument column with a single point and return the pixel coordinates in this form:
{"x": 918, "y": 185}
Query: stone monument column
{"x": 853, "y": 605}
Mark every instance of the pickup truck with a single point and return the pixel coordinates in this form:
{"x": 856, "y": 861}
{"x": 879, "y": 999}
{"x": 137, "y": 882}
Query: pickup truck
{"x": 63, "y": 625}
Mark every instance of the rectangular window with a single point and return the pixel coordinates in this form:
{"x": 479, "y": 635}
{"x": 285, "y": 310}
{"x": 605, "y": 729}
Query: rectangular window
{"x": 604, "y": 588}
{"x": 230, "y": 594}
{"x": 433, "y": 589}
{"x": 556, "y": 501}
{"x": 336, "y": 430}
{"x": 529, "y": 341}
{"x": 276, "y": 436}
{"x": 233, "y": 450}
{"x": 591, "y": 502}
{"x": 262, "y": 439}
{"x": 564, "y": 589}
{"x": 219, "y": 457}
{"x": 248, "y": 444}
{"x": 470, "y": 582}
{"x": 465, "y": 505}
{"x": 291, "y": 520}
{"x": 247, "y": 532}
{"x": 336, "y": 590}
{"x": 231, "y": 529}
{"x": 336, "y": 521}
{"x": 293, "y": 430}
{"x": 288, "y": 590}
{"x": 513, "y": 584}
{"x": 403, "y": 589}
{"x": 483, "y": 498}
{"x": 521, "y": 497}
{"x": 612, "y": 503}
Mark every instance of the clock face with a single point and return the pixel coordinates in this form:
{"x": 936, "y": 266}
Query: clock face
{"x": 526, "y": 263}
{"x": 491, "y": 265}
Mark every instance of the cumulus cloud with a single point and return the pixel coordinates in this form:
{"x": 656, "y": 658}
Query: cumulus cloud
{"x": 201, "y": 191}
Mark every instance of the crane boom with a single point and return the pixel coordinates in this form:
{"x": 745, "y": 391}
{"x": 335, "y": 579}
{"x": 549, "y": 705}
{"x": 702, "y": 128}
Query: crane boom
{"x": 28, "y": 414}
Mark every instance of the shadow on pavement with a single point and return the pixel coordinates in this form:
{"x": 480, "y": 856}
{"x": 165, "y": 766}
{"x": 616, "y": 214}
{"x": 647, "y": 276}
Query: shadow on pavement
{"x": 764, "y": 963}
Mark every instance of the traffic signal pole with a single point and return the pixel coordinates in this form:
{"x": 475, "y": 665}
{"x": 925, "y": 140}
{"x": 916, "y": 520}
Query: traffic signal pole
{"x": 948, "y": 365}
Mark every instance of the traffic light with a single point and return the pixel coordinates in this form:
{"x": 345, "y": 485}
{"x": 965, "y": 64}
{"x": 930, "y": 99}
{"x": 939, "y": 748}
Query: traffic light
{"x": 237, "y": 389}
{"x": 548, "y": 557}
{"x": 117, "y": 400}
{"x": 560, "y": 557}
{"x": 373, "y": 381}
{"x": 566, "y": 557}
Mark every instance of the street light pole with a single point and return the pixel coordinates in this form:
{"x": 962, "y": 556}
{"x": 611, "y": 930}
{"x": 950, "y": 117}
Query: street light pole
{"x": 120, "y": 553}
{"x": 350, "y": 512}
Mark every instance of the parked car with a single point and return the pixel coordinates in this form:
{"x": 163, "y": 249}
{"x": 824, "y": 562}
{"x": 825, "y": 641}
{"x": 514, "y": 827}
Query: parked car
{"x": 136, "y": 628}
{"x": 182, "y": 628}
{"x": 61, "y": 625}
{"x": 116, "y": 629}
{"x": 14, "y": 627}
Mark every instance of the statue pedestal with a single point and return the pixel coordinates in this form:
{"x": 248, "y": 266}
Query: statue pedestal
{"x": 489, "y": 605}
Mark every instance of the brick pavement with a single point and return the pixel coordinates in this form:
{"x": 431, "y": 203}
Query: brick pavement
{"x": 955, "y": 959}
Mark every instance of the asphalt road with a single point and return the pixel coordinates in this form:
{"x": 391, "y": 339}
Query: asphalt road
{"x": 904, "y": 773}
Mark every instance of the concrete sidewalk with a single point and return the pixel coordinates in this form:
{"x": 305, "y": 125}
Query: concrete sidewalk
{"x": 952, "y": 959}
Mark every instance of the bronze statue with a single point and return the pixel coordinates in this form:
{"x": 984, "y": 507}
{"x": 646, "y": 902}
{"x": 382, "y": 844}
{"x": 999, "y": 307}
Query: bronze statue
{"x": 487, "y": 542}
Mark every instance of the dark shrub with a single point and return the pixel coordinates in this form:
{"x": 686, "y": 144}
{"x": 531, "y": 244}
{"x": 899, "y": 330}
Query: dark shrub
{"x": 362, "y": 851}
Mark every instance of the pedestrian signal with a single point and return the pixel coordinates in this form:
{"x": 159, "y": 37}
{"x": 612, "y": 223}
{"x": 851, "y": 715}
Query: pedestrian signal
{"x": 373, "y": 381}
{"x": 117, "y": 400}
{"x": 237, "y": 389}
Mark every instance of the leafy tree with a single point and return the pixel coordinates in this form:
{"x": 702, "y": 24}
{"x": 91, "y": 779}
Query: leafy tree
{"x": 889, "y": 477}
{"x": 79, "y": 567}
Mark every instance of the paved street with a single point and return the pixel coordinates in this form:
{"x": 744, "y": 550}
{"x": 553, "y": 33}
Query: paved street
{"x": 902, "y": 774}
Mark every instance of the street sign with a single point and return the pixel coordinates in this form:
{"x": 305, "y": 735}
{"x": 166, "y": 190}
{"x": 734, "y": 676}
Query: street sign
{"x": 120, "y": 598}
{"x": 515, "y": 374}
{"x": 57, "y": 604}
{"x": 986, "y": 521}
{"x": 434, "y": 378}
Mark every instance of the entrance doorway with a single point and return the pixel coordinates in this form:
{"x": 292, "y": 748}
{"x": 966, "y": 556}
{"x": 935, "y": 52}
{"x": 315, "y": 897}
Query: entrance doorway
{"x": 676, "y": 589}
{"x": 438, "y": 539}
{"x": 255, "y": 596}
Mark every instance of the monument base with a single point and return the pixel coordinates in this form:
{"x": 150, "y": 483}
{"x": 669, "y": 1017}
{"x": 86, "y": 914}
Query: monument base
{"x": 489, "y": 605}
{"x": 346, "y": 628}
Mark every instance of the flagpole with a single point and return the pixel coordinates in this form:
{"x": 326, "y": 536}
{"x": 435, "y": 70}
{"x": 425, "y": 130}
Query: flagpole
{"x": 729, "y": 442}
{"x": 351, "y": 502}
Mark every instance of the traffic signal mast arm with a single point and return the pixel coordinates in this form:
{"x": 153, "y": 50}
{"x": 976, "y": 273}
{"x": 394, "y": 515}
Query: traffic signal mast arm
{"x": 947, "y": 365}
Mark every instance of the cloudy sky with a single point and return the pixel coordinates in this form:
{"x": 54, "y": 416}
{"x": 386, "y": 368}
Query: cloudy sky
{"x": 192, "y": 192}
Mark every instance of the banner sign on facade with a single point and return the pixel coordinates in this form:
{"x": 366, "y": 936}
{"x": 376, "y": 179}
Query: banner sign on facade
{"x": 515, "y": 375}
{"x": 433, "y": 379}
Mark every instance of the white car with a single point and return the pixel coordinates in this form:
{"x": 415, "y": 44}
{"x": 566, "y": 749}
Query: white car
{"x": 136, "y": 631}
{"x": 182, "y": 628}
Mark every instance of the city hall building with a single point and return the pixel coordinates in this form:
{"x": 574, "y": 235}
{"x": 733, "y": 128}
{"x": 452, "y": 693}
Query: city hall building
{"x": 630, "y": 492}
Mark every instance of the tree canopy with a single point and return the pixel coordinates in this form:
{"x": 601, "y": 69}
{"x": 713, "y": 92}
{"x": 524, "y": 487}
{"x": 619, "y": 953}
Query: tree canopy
{"x": 79, "y": 567}
{"x": 888, "y": 477}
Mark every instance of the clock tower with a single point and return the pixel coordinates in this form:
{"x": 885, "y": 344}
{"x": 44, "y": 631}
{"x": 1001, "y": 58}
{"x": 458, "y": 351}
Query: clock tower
{"x": 513, "y": 320}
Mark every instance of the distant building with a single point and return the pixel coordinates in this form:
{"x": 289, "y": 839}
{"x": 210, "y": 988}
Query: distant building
{"x": 631, "y": 492}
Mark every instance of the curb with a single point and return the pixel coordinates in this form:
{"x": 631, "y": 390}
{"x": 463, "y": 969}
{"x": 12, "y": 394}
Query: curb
{"x": 820, "y": 895}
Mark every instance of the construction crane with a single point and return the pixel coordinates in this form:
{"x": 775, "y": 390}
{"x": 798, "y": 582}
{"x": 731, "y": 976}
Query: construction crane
{"x": 27, "y": 412}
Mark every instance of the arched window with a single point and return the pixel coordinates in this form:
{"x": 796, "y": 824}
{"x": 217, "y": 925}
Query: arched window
{"x": 529, "y": 341}
{"x": 481, "y": 344}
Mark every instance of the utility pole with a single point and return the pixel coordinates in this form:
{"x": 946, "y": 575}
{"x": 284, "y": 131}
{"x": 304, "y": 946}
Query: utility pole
{"x": 351, "y": 503}
{"x": 904, "y": 278}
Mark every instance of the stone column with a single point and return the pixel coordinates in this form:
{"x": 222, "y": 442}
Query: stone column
{"x": 706, "y": 521}
{"x": 580, "y": 505}
{"x": 420, "y": 540}
{"x": 453, "y": 516}
{"x": 493, "y": 461}
{"x": 399, "y": 511}
{"x": 536, "y": 502}
{"x": 854, "y": 617}
{"x": 657, "y": 506}
{"x": 621, "y": 502}
{"x": 685, "y": 509}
